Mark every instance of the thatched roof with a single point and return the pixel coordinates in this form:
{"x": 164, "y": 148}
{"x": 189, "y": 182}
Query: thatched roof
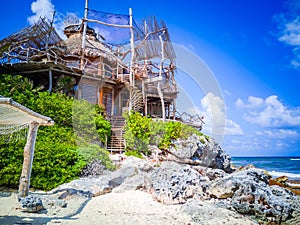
{"x": 93, "y": 48}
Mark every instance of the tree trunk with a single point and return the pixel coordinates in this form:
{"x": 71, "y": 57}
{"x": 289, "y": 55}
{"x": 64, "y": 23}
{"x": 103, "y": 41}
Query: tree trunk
{"x": 27, "y": 161}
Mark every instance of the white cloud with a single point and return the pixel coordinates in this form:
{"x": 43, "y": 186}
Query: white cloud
{"x": 291, "y": 33}
{"x": 232, "y": 128}
{"x": 41, "y": 8}
{"x": 45, "y": 8}
{"x": 253, "y": 102}
{"x": 279, "y": 134}
{"x": 216, "y": 123}
{"x": 269, "y": 112}
{"x": 289, "y": 29}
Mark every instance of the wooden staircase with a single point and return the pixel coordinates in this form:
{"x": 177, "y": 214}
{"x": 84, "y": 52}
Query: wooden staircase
{"x": 117, "y": 141}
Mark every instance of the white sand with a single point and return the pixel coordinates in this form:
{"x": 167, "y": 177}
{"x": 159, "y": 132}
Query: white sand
{"x": 129, "y": 208}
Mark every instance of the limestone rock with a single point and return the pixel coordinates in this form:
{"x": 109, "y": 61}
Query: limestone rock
{"x": 139, "y": 164}
{"x": 173, "y": 184}
{"x": 94, "y": 168}
{"x": 205, "y": 152}
{"x": 213, "y": 174}
{"x": 228, "y": 185}
{"x": 250, "y": 193}
{"x": 31, "y": 204}
{"x": 139, "y": 181}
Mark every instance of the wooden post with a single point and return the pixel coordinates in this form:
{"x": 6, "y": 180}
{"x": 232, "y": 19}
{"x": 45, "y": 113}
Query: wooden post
{"x": 162, "y": 101}
{"x": 174, "y": 109}
{"x": 144, "y": 97}
{"x": 160, "y": 93}
{"x": 28, "y": 159}
{"x": 112, "y": 102}
{"x": 84, "y": 34}
{"x": 131, "y": 75}
{"x": 50, "y": 80}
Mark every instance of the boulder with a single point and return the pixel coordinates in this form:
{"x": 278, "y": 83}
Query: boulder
{"x": 139, "y": 181}
{"x": 249, "y": 193}
{"x": 185, "y": 148}
{"x": 210, "y": 173}
{"x": 174, "y": 184}
{"x": 213, "y": 174}
{"x": 98, "y": 185}
{"x": 94, "y": 186}
{"x": 31, "y": 204}
{"x": 139, "y": 164}
{"x": 228, "y": 185}
{"x": 204, "y": 152}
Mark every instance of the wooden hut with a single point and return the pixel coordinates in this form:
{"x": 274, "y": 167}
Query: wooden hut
{"x": 134, "y": 75}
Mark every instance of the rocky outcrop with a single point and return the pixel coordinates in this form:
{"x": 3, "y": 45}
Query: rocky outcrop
{"x": 98, "y": 185}
{"x": 174, "y": 184}
{"x": 245, "y": 191}
{"x": 228, "y": 185}
{"x": 248, "y": 192}
{"x": 204, "y": 152}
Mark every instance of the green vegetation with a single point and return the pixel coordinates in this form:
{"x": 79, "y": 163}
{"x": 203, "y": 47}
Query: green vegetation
{"x": 137, "y": 132}
{"x": 57, "y": 159}
{"x": 89, "y": 123}
{"x": 142, "y": 131}
{"x": 134, "y": 153}
{"x": 93, "y": 151}
{"x": 62, "y": 150}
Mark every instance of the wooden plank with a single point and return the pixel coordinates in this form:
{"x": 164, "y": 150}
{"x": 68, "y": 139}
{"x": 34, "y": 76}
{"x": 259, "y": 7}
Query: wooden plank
{"x": 154, "y": 79}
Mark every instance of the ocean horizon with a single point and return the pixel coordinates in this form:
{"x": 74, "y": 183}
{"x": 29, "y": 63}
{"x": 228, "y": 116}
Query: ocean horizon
{"x": 276, "y": 165}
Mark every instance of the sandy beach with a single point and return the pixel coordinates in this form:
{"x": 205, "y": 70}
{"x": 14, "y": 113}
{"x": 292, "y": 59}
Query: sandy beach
{"x": 130, "y": 207}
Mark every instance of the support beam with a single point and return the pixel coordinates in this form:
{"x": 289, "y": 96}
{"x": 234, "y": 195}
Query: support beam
{"x": 131, "y": 78}
{"x": 28, "y": 159}
{"x": 50, "y": 81}
{"x": 144, "y": 97}
{"x": 160, "y": 75}
{"x": 112, "y": 102}
{"x": 162, "y": 101}
{"x": 84, "y": 34}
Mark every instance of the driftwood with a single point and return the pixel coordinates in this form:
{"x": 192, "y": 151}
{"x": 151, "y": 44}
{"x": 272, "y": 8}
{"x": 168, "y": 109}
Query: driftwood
{"x": 28, "y": 159}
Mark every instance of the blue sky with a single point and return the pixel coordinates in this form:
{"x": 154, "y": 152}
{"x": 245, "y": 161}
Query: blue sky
{"x": 250, "y": 48}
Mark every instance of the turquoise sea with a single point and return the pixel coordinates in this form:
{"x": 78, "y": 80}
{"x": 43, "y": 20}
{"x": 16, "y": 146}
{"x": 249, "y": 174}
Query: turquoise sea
{"x": 276, "y": 166}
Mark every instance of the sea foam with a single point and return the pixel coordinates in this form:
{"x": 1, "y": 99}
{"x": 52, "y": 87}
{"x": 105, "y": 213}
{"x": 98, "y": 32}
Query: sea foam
{"x": 289, "y": 175}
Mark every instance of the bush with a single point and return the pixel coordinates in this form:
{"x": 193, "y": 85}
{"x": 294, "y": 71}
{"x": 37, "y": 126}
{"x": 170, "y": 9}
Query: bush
{"x": 137, "y": 132}
{"x": 88, "y": 122}
{"x": 58, "y": 107}
{"x": 19, "y": 88}
{"x": 158, "y": 129}
{"x": 11, "y": 159}
{"x": 134, "y": 153}
{"x": 57, "y": 158}
{"x": 141, "y": 131}
{"x": 172, "y": 132}
{"x": 92, "y": 151}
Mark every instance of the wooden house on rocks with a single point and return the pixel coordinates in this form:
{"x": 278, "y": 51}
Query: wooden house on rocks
{"x": 106, "y": 59}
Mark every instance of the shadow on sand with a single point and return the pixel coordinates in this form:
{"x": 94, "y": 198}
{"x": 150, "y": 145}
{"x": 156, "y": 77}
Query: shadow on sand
{"x": 39, "y": 218}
